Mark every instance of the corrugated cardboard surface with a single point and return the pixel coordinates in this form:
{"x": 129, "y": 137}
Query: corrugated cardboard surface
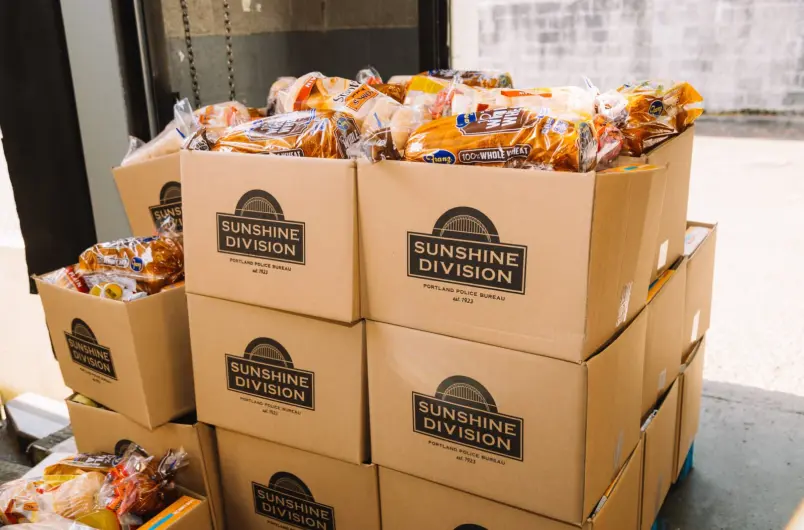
{"x": 150, "y": 191}
{"x": 676, "y": 154}
{"x": 350, "y": 491}
{"x": 535, "y": 455}
{"x": 150, "y": 377}
{"x": 700, "y": 280}
{"x": 100, "y": 430}
{"x": 311, "y": 392}
{"x": 573, "y": 271}
{"x": 621, "y": 509}
{"x": 663, "y": 346}
{"x": 312, "y": 267}
{"x": 691, "y": 393}
{"x": 660, "y": 444}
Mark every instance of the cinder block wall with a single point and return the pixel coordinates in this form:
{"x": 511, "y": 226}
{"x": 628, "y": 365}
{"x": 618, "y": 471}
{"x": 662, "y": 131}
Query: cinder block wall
{"x": 739, "y": 53}
{"x": 272, "y": 38}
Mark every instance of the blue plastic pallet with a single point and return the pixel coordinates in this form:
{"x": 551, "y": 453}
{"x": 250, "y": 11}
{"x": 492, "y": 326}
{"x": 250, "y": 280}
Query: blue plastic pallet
{"x": 686, "y": 469}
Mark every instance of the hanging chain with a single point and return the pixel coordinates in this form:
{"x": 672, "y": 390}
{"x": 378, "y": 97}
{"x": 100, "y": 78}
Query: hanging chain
{"x": 227, "y": 24}
{"x": 188, "y": 41}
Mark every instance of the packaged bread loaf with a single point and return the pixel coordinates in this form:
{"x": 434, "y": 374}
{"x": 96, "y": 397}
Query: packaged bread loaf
{"x": 307, "y": 133}
{"x": 479, "y": 78}
{"x": 511, "y": 137}
{"x": 657, "y": 110}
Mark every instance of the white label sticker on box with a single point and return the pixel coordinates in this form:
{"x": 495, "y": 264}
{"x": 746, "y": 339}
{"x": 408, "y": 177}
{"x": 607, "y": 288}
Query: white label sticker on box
{"x": 663, "y": 255}
{"x": 662, "y": 379}
{"x": 625, "y": 300}
{"x": 695, "y": 321}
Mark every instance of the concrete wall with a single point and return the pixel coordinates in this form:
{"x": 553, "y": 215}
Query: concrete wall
{"x": 272, "y": 38}
{"x": 738, "y": 53}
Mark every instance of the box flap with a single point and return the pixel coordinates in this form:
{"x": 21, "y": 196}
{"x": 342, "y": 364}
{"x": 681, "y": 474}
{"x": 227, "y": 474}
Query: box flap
{"x": 700, "y": 282}
{"x": 690, "y": 408}
{"x": 150, "y": 191}
{"x": 663, "y": 347}
{"x": 620, "y": 510}
{"x": 160, "y": 329}
{"x": 102, "y": 430}
{"x": 412, "y": 503}
{"x": 660, "y": 442}
{"x": 624, "y": 224}
{"x": 613, "y": 408}
{"x": 93, "y": 342}
{"x": 454, "y": 250}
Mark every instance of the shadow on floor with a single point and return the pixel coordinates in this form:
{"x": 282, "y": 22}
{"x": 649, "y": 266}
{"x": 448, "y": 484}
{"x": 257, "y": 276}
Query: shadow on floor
{"x": 749, "y": 463}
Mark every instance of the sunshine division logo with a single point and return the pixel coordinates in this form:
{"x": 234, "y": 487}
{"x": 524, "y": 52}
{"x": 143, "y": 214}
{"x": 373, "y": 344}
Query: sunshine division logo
{"x": 258, "y": 229}
{"x": 169, "y": 205}
{"x": 463, "y": 411}
{"x": 85, "y": 350}
{"x": 465, "y": 248}
{"x": 288, "y": 500}
{"x": 266, "y": 370}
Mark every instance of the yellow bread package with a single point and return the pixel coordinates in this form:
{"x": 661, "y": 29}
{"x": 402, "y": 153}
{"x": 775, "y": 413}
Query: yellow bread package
{"x": 512, "y": 137}
{"x": 306, "y": 133}
{"x": 479, "y": 78}
{"x": 151, "y": 262}
{"x": 657, "y": 110}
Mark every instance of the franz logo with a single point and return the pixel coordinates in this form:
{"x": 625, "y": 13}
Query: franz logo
{"x": 465, "y": 248}
{"x": 169, "y": 205}
{"x": 258, "y": 229}
{"x": 85, "y": 350}
{"x": 442, "y": 156}
{"x": 470, "y": 526}
{"x": 288, "y": 500}
{"x": 265, "y": 370}
{"x": 464, "y": 412}
{"x": 656, "y": 108}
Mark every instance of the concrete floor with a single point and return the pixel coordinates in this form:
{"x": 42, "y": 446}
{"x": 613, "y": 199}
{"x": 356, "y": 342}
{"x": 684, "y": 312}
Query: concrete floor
{"x": 749, "y": 472}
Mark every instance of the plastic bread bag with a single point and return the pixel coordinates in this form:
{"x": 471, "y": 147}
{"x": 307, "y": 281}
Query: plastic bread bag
{"x": 82, "y": 463}
{"x": 475, "y": 78}
{"x": 140, "y": 485}
{"x": 553, "y": 101}
{"x": 67, "y": 278}
{"x": 400, "y": 79}
{"x": 657, "y": 110}
{"x": 280, "y": 86}
{"x": 397, "y": 92}
{"x": 168, "y": 141}
{"x": 55, "y": 522}
{"x": 514, "y": 137}
{"x": 369, "y": 75}
{"x": 307, "y": 133}
{"x": 152, "y": 262}
{"x": 36, "y": 500}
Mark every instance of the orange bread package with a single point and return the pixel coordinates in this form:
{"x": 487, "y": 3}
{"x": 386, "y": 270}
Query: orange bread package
{"x": 307, "y": 133}
{"x": 657, "y": 110}
{"x": 511, "y": 137}
{"x": 479, "y": 78}
{"x": 152, "y": 262}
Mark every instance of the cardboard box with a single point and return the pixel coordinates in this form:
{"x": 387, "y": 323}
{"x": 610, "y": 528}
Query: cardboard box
{"x": 663, "y": 345}
{"x": 101, "y": 430}
{"x": 272, "y": 231}
{"x": 659, "y": 433}
{"x": 690, "y": 395}
{"x": 150, "y": 191}
{"x": 540, "y": 434}
{"x": 700, "y": 280}
{"x": 268, "y": 485}
{"x": 408, "y": 502}
{"x": 676, "y": 155}
{"x": 277, "y": 376}
{"x": 132, "y": 357}
{"x": 189, "y": 512}
{"x": 544, "y": 262}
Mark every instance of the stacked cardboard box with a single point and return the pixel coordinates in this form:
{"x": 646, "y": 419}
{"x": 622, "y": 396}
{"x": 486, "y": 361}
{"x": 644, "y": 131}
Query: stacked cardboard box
{"x": 133, "y": 358}
{"x": 278, "y": 344}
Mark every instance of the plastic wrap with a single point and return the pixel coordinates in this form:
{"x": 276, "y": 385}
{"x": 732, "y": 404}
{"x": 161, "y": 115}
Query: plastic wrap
{"x": 308, "y": 133}
{"x": 152, "y": 262}
{"x": 37, "y": 500}
{"x": 369, "y": 75}
{"x": 657, "y": 110}
{"x": 513, "y": 137}
{"x": 54, "y": 522}
{"x": 82, "y": 463}
{"x": 478, "y": 78}
{"x": 396, "y": 92}
{"x": 279, "y": 87}
{"x": 139, "y": 484}
{"x": 168, "y": 141}
{"x": 67, "y": 278}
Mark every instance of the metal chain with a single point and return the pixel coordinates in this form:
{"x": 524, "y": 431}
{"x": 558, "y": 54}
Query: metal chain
{"x": 188, "y": 41}
{"x": 229, "y": 52}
